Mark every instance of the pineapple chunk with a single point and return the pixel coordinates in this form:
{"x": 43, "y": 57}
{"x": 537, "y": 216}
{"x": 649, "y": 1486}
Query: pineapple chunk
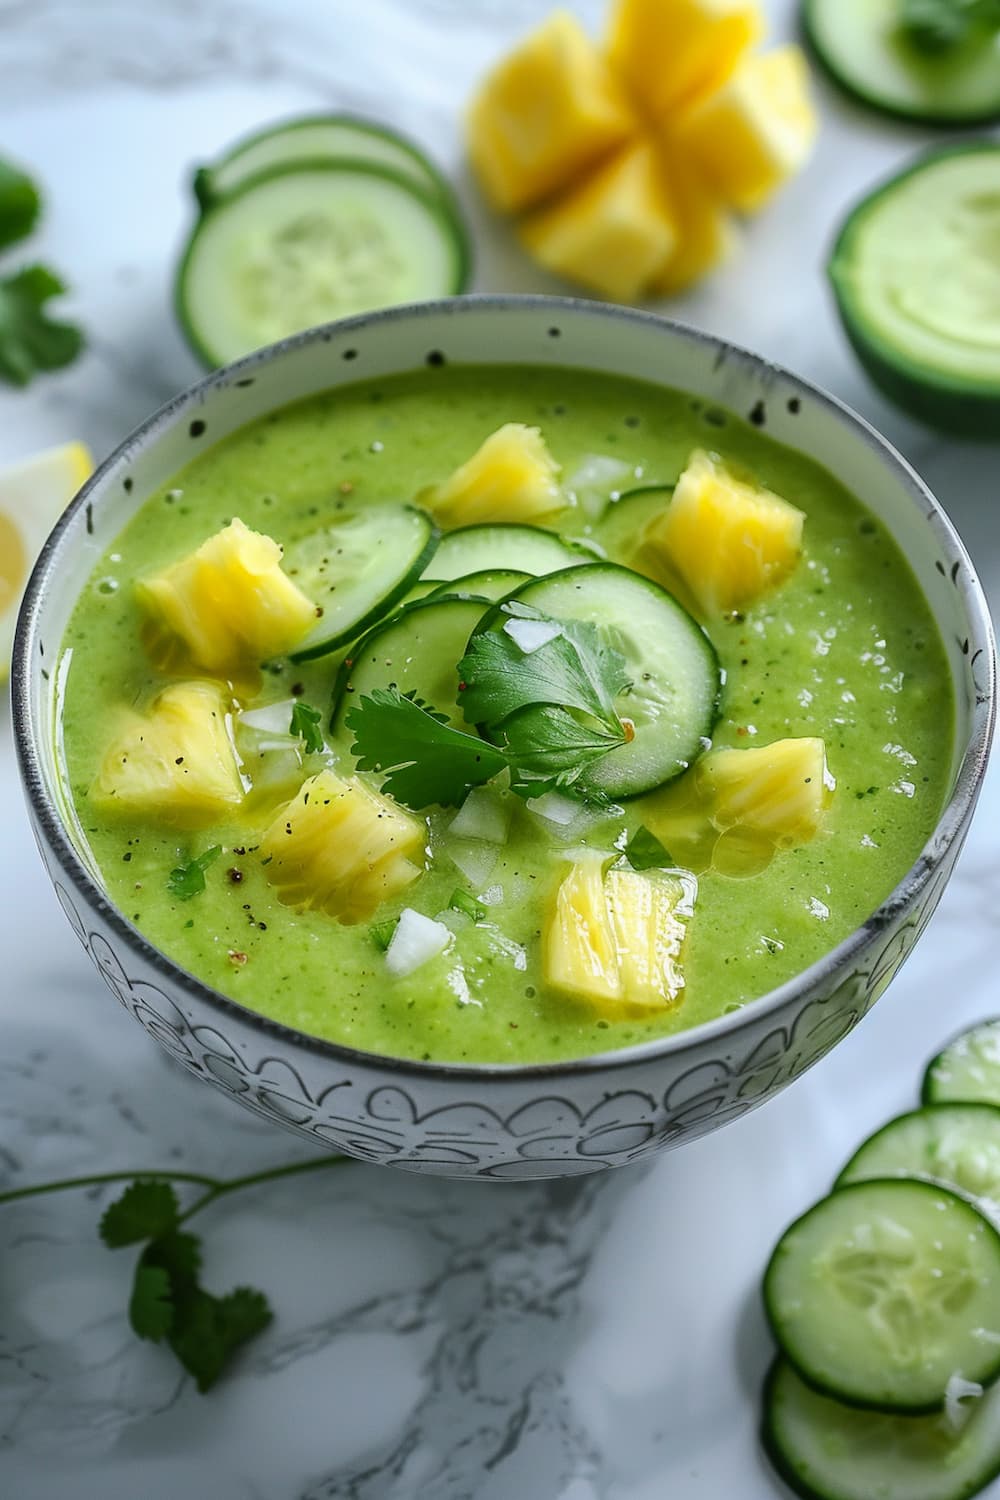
{"x": 229, "y": 602}
{"x": 669, "y": 52}
{"x": 756, "y": 131}
{"x": 511, "y": 477}
{"x": 549, "y": 111}
{"x": 341, "y": 848}
{"x": 728, "y": 539}
{"x": 611, "y": 233}
{"x": 706, "y": 233}
{"x": 177, "y": 762}
{"x": 778, "y": 791}
{"x": 615, "y": 940}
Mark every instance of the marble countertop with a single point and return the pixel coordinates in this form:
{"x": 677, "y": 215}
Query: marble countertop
{"x": 598, "y": 1339}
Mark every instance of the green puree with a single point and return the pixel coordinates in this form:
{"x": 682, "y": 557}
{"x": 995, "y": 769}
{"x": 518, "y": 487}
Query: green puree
{"x": 846, "y": 650}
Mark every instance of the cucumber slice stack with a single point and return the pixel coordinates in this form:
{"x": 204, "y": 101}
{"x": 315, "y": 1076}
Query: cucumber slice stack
{"x": 884, "y": 1299}
{"x": 313, "y": 220}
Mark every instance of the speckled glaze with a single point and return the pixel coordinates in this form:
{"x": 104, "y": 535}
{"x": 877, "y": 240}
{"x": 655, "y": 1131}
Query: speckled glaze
{"x": 501, "y": 1121}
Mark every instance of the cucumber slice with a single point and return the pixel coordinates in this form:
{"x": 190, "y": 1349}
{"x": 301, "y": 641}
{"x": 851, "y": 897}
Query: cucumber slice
{"x": 883, "y": 1291}
{"x": 356, "y": 569}
{"x": 620, "y": 530}
{"x": 957, "y": 1144}
{"x": 827, "y": 1451}
{"x": 317, "y": 138}
{"x": 416, "y": 651}
{"x": 917, "y": 286}
{"x": 490, "y": 584}
{"x": 862, "y": 46}
{"x": 676, "y": 680}
{"x": 305, "y": 244}
{"x": 968, "y": 1070}
{"x": 422, "y": 589}
{"x": 526, "y": 549}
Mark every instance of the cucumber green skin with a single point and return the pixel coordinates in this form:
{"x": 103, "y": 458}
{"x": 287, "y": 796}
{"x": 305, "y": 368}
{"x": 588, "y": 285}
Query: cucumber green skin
{"x": 571, "y": 549}
{"x": 786, "y": 1470}
{"x": 846, "y": 1398}
{"x": 481, "y": 585}
{"x": 943, "y": 121}
{"x": 446, "y": 213}
{"x": 928, "y": 1087}
{"x": 379, "y": 610}
{"x": 206, "y": 193}
{"x": 964, "y": 408}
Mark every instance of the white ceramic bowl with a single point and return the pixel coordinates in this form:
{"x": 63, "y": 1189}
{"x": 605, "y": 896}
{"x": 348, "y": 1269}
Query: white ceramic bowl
{"x": 501, "y": 1121}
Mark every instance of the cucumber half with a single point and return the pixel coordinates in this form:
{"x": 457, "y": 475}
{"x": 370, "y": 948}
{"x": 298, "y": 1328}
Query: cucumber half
{"x": 526, "y": 549}
{"x": 317, "y": 138}
{"x": 882, "y": 1292}
{"x": 623, "y": 524}
{"x": 862, "y": 45}
{"x": 827, "y": 1451}
{"x": 968, "y": 1070}
{"x": 957, "y": 1144}
{"x": 917, "y": 280}
{"x": 676, "y": 681}
{"x": 305, "y": 243}
{"x": 356, "y": 569}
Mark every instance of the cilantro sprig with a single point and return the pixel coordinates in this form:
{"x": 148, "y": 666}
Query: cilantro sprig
{"x": 30, "y": 340}
{"x": 189, "y": 880}
{"x": 305, "y": 723}
{"x": 548, "y": 711}
{"x": 167, "y": 1301}
{"x": 645, "y": 852}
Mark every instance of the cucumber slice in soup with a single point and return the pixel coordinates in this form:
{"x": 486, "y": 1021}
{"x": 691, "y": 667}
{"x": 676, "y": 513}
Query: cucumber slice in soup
{"x": 968, "y": 1070}
{"x": 356, "y": 569}
{"x": 526, "y": 549}
{"x": 827, "y": 1451}
{"x": 957, "y": 1144}
{"x": 862, "y": 45}
{"x": 676, "y": 681}
{"x": 305, "y": 244}
{"x": 917, "y": 283}
{"x": 416, "y": 651}
{"x": 620, "y": 530}
{"x": 490, "y": 584}
{"x": 317, "y": 138}
{"x": 885, "y": 1290}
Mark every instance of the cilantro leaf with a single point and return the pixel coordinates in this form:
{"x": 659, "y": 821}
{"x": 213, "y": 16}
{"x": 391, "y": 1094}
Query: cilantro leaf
{"x": 144, "y": 1210}
{"x": 151, "y": 1307}
{"x": 468, "y": 905}
{"x": 179, "y": 1254}
{"x": 382, "y": 932}
{"x": 20, "y": 205}
{"x": 189, "y": 880}
{"x": 576, "y": 668}
{"x": 305, "y": 723}
{"x": 645, "y": 852}
{"x": 208, "y": 1330}
{"x": 423, "y": 760}
{"x": 550, "y": 748}
{"x": 30, "y": 341}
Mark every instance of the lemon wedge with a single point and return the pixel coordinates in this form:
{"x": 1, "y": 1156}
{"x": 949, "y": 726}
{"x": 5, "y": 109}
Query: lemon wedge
{"x": 33, "y": 495}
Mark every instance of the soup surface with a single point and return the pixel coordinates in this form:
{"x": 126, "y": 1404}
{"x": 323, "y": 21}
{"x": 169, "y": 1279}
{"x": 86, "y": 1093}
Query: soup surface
{"x": 844, "y": 649}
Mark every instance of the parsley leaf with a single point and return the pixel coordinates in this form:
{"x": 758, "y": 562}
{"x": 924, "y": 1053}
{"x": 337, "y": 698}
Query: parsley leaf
{"x": 575, "y": 669}
{"x": 422, "y": 758}
{"x": 144, "y": 1210}
{"x": 20, "y": 205}
{"x": 30, "y": 341}
{"x": 189, "y": 880}
{"x": 305, "y": 723}
{"x": 645, "y": 852}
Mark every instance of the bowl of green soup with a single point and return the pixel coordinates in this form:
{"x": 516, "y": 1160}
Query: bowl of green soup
{"x": 502, "y": 737}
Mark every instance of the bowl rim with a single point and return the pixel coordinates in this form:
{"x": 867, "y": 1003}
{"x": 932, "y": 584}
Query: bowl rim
{"x": 950, "y": 826}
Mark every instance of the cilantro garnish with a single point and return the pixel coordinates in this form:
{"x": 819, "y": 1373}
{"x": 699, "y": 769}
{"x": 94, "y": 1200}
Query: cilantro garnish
{"x": 463, "y": 902}
{"x": 20, "y": 205}
{"x": 31, "y": 341}
{"x": 305, "y": 723}
{"x": 382, "y": 932}
{"x": 549, "y": 713}
{"x": 645, "y": 852}
{"x": 189, "y": 880}
{"x": 937, "y": 26}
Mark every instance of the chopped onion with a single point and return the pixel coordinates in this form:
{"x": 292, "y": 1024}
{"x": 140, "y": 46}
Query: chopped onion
{"x": 485, "y": 814}
{"x": 273, "y": 718}
{"x": 555, "y": 808}
{"x": 596, "y": 479}
{"x": 415, "y": 940}
{"x": 492, "y": 896}
{"x": 473, "y": 857}
{"x": 956, "y": 1392}
{"x": 566, "y": 819}
{"x": 532, "y": 634}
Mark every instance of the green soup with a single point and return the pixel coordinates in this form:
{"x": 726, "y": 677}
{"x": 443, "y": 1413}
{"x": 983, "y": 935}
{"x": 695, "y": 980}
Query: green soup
{"x": 845, "y": 649}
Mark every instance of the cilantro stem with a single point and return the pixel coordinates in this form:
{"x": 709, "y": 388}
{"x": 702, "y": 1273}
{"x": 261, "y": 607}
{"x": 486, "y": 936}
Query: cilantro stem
{"x": 217, "y": 1187}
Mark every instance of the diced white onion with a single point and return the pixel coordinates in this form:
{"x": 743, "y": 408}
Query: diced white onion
{"x": 532, "y": 634}
{"x": 473, "y": 857}
{"x": 492, "y": 896}
{"x": 555, "y": 808}
{"x": 957, "y": 1391}
{"x": 595, "y": 480}
{"x": 416, "y": 939}
{"x": 273, "y": 718}
{"x": 566, "y": 819}
{"x": 485, "y": 814}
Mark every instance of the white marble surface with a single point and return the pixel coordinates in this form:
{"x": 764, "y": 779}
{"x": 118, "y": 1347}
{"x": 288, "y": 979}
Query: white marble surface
{"x": 598, "y": 1340}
